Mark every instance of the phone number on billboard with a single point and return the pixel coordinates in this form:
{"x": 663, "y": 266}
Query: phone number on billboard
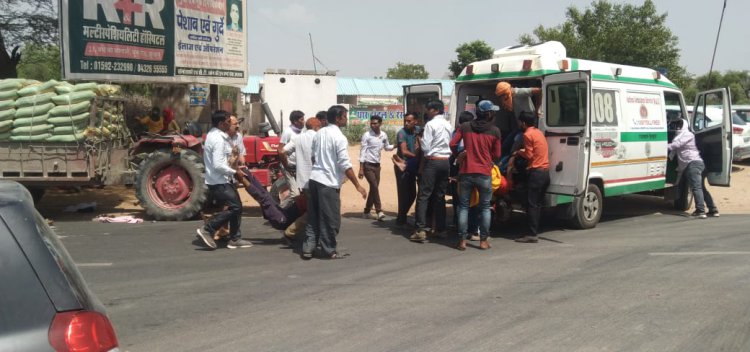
{"x": 118, "y": 66}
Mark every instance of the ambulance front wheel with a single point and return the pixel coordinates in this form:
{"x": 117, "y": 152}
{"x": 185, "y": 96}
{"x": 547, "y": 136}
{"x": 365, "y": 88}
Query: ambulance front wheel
{"x": 588, "y": 209}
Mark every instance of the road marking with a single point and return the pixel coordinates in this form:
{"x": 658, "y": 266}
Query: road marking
{"x": 94, "y": 264}
{"x": 696, "y": 253}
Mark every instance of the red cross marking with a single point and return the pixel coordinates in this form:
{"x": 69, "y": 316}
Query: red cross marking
{"x": 128, "y": 7}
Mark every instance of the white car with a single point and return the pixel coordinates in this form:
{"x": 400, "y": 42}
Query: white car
{"x": 740, "y": 138}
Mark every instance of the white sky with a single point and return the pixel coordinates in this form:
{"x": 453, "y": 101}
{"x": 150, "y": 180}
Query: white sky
{"x": 364, "y": 38}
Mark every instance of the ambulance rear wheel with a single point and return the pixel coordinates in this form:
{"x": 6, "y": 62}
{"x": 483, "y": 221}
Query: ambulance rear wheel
{"x": 684, "y": 198}
{"x": 588, "y": 209}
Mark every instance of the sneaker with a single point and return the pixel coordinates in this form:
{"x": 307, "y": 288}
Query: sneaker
{"x": 366, "y": 216}
{"x": 527, "y": 239}
{"x": 206, "y": 238}
{"x": 698, "y": 214}
{"x": 240, "y": 243}
{"x": 419, "y": 236}
{"x": 713, "y": 213}
{"x": 381, "y": 216}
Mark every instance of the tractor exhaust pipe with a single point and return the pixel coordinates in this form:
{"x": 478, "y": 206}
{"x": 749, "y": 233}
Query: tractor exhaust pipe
{"x": 268, "y": 113}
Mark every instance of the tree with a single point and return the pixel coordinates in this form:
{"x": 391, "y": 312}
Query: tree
{"x": 737, "y": 81}
{"x": 407, "y": 71}
{"x": 24, "y": 22}
{"x": 40, "y": 62}
{"x": 469, "y": 52}
{"x": 618, "y": 33}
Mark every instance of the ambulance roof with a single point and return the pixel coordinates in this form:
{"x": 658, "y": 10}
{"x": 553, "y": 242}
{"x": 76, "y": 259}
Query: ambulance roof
{"x": 529, "y": 61}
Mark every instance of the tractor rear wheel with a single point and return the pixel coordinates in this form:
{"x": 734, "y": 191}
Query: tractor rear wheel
{"x": 171, "y": 186}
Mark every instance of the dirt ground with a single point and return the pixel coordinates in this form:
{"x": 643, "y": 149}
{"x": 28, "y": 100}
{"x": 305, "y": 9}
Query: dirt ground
{"x": 120, "y": 200}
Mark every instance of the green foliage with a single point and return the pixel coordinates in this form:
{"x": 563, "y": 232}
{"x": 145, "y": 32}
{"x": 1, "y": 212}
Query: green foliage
{"x": 407, "y": 71}
{"x": 737, "y": 81}
{"x": 40, "y": 62}
{"x": 619, "y": 33}
{"x": 354, "y": 133}
{"x": 467, "y": 53}
{"x": 391, "y": 133}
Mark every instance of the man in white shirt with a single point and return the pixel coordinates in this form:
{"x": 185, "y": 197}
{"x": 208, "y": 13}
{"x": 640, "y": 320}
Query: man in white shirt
{"x": 216, "y": 152}
{"x": 433, "y": 182}
{"x": 373, "y": 141}
{"x": 331, "y": 164}
{"x": 297, "y": 122}
{"x": 301, "y": 145}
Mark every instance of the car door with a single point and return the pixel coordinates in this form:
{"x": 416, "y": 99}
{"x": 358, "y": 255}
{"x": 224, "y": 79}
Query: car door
{"x": 712, "y": 124}
{"x": 416, "y": 97}
{"x": 567, "y": 127}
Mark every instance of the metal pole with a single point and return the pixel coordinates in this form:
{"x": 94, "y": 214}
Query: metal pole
{"x": 710, "y": 70}
{"x": 315, "y": 66}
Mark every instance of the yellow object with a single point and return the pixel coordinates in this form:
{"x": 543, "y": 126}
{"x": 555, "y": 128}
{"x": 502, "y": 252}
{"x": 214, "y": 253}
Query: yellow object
{"x": 497, "y": 181}
{"x": 153, "y": 126}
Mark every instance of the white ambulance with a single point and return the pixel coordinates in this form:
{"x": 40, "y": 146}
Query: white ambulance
{"x": 606, "y": 125}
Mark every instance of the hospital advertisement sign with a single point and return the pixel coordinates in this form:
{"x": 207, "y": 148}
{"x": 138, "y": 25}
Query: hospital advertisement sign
{"x": 155, "y": 40}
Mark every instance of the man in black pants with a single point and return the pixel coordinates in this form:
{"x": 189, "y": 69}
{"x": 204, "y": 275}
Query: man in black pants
{"x": 535, "y": 150}
{"x": 433, "y": 182}
{"x": 217, "y": 150}
{"x": 331, "y": 164}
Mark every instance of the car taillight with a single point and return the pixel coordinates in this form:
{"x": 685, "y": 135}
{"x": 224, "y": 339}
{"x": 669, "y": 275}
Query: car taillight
{"x": 79, "y": 331}
{"x": 737, "y": 130}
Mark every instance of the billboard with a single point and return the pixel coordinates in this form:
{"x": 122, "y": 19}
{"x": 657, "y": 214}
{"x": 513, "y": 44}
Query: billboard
{"x": 200, "y": 41}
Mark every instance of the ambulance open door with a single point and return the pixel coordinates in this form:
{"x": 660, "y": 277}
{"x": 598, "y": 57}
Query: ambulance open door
{"x": 712, "y": 124}
{"x": 567, "y": 127}
{"x": 416, "y": 97}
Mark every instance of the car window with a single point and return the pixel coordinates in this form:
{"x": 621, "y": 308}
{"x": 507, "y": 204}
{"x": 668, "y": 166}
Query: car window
{"x": 737, "y": 120}
{"x": 64, "y": 261}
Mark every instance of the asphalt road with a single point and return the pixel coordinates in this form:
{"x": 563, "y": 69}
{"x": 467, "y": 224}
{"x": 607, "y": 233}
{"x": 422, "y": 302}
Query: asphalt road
{"x": 646, "y": 282}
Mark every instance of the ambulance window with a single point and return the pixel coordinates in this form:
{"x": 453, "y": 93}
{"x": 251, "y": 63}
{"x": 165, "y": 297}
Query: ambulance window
{"x": 605, "y": 110}
{"x": 709, "y": 112}
{"x": 674, "y": 108}
{"x": 566, "y": 104}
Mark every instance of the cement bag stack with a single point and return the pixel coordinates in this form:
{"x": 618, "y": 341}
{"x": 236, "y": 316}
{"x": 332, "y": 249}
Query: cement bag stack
{"x": 70, "y": 115}
{"x": 32, "y": 103}
{"x": 8, "y": 94}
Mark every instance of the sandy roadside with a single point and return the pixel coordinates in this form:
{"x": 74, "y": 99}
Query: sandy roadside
{"x": 119, "y": 200}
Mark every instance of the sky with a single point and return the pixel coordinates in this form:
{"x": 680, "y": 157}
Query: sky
{"x": 364, "y": 38}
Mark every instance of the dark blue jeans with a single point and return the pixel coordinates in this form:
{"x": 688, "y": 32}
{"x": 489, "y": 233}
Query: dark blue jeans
{"x": 695, "y": 177}
{"x": 226, "y": 194}
{"x": 466, "y": 184}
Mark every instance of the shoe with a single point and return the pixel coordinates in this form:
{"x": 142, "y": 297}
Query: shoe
{"x": 381, "y": 216}
{"x": 419, "y": 236}
{"x": 240, "y": 243}
{"x": 461, "y": 245}
{"x": 335, "y": 255}
{"x": 474, "y": 237}
{"x": 713, "y": 213}
{"x": 288, "y": 241}
{"x": 366, "y": 216}
{"x": 698, "y": 215}
{"x": 485, "y": 244}
{"x": 441, "y": 235}
{"x": 527, "y": 239}
{"x": 206, "y": 238}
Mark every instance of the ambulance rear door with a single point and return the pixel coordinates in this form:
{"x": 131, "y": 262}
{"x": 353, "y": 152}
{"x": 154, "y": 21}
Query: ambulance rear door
{"x": 567, "y": 127}
{"x": 712, "y": 124}
{"x": 416, "y": 97}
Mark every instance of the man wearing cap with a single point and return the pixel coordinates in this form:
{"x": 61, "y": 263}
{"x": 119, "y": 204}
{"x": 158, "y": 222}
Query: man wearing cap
{"x": 481, "y": 139}
{"x": 433, "y": 182}
{"x": 535, "y": 151}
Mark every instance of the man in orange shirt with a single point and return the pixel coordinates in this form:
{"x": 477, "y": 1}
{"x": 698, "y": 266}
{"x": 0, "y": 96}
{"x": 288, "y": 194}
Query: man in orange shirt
{"x": 536, "y": 152}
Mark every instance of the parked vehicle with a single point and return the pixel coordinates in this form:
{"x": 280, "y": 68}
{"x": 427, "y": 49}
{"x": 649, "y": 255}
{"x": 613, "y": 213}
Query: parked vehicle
{"x": 740, "y": 138}
{"x": 46, "y": 303}
{"x": 605, "y": 124}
